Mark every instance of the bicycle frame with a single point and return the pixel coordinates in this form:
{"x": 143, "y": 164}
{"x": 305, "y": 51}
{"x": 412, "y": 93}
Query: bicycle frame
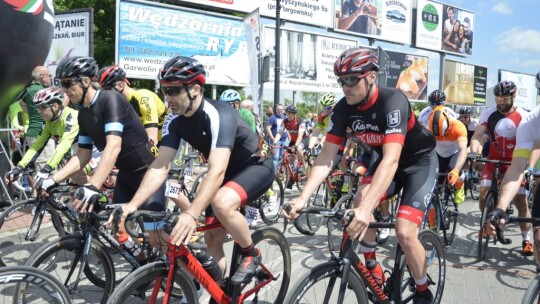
{"x": 285, "y": 161}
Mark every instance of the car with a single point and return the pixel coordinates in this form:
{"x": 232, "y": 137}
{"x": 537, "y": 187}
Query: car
{"x": 395, "y": 16}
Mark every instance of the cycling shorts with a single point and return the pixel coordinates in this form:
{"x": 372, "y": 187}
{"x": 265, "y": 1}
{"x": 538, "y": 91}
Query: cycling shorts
{"x": 446, "y": 164}
{"x": 127, "y": 184}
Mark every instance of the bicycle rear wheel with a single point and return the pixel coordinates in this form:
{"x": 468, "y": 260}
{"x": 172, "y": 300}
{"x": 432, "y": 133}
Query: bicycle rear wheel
{"x": 483, "y": 242}
{"x": 322, "y": 283}
{"x": 271, "y": 203}
{"x": 451, "y": 215}
{"x": 319, "y": 199}
{"x": 16, "y": 222}
{"x": 532, "y": 295}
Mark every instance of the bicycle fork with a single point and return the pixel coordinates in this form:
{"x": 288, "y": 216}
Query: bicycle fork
{"x": 33, "y": 229}
{"x": 82, "y": 258}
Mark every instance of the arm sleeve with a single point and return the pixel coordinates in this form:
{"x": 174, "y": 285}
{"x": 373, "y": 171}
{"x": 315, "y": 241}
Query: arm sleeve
{"x": 71, "y": 129}
{"x": 170, "y": 138}
{"x": 36, "y": 147}
{"x": 397, "y": 111}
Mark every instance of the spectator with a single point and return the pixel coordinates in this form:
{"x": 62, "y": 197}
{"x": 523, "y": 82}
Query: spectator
{"x": 271, "y": 130}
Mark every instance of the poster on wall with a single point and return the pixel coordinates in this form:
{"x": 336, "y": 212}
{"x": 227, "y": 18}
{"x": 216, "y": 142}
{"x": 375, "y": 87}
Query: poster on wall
{"x": 464, "y": 84}
{"x": 526, "y": 88}
{"x": 149, "y": 34}
{"x": 407, "y": 72}
{"x": 379, "y": 19}
{"x": 307, "y": 60}
{"x": 442, "y": 27}
{"x": 73, "y": 36}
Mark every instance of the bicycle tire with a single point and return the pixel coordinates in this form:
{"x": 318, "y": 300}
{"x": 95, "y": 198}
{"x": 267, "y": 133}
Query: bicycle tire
{"x": 402, "y": 279}
{"x": 302, "y": 178}
{"x": 532, "y": 295}
{"x": 197, "y": 182}
{"x": 471, "y": 188}
{"x": 306, "y": 290}
{"x": 14, "y": 224}
{"x": 483, "y": 243}
{"x": 319, "y": 199}
{"x": 451, "y": 215}
{"x": 31, "y": 285}
{"x": 140, "y": 281}
{"x": 270, "y": 211}
{"x": 55, "y": 257}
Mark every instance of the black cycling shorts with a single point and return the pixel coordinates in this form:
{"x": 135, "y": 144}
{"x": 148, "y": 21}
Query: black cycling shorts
{"x": 127, "y": 184}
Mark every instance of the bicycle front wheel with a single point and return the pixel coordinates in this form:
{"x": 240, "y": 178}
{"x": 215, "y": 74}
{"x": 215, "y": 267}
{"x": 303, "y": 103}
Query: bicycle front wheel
{"x": 484, "y": 239}
{"x": 271, "y": 202}
{"x": 318, "y": 199}
{"x": 138, "y": 286}
{"x": 532, "y": 295}
{"x": 322, "y": 284}
{"x": 451, "y": 215}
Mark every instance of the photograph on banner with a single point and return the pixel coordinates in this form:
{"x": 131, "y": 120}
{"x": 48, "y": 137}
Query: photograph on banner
{"x": 149, "y": 34}
{"x": 72, "y": 36}
{"x": 526, "y": 95}
{"x": 406, "y": 72}
{"x": 379, "y": 19}
{"x": 319, "y": 13}
{"x": 464, "y": 84}
{"x": 442, "y": 27}
{"x": 306, "y": 59}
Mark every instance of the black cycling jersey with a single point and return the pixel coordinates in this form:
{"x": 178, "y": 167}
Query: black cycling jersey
{"x": 213, "y": 125}
{"x": 110, "y": 114}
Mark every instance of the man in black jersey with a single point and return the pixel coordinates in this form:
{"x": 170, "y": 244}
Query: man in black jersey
{"x": 383, "y": 119}
{"x": 235, "y": 175}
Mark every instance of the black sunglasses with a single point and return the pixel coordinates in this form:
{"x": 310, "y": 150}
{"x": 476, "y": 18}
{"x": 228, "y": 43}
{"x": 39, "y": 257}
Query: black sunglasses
{"x": 349, "y": 81}
{"x": 66, "y": 84}
{"x": 172, "y": 91}
{"x": 43, "y": 107}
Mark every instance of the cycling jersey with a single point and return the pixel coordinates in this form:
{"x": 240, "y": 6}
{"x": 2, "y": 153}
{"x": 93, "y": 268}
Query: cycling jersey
{"x": 447, "y": 145}
{"x": 248, "y": 117}
{"x": 527, "y": 134}
{"x": 35, "y": 120}
{"x": 110, "y": 114}
{"x": 17, "y": 117}
{"x": 423, "y": 117}
{"x": 293, "y": 127}
{"x": 323, "y": 120}
{"x": 149, "y": 107}
{"x": 64, "y": 130}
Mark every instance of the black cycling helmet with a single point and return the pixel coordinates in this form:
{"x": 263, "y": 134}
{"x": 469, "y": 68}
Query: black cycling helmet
{"x": 436, "y": 98}
{"x": 356, "y": 60}
{"x": 538, "y": 82}
{"x": 77, "y": 67}
{"x": 291, "y": 109}
{"x": 465, "y": 110}
{"x": 505, "y": 88}
{"x": 182, "y": 70}
{"x": 110, "y": 75}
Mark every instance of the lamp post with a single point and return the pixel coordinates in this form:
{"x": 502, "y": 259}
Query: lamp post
{"x": 277, "y": 67}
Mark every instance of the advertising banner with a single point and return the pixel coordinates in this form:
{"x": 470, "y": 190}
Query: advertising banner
{"x": 148, "y": 34}
{"x": 407, "y": 72}
{"x": 307, "y": 60}
{"x": 312, "y": 12}
{"x": 526, "y": 88}
{"x": 442, "y": 27}
{"x": 464, "y": 84}
{"x": 73, "y": 36}
{"x": 388, "y": 20}
{"x": 252, "y": 21}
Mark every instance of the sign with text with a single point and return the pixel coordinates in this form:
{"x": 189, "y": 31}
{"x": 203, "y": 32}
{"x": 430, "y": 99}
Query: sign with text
{"x": 388, "y": 20}
{"x": 464, "y": 84}
{"x": 313, "y": 12}
{"x": 526, "y": 88}
{"x": 148, "y": 34}
{"x": 72, "y": 37}
{"x": 307, "y": 60}
{"x": 407, "y": 72}
{"x": 442, "y": 27}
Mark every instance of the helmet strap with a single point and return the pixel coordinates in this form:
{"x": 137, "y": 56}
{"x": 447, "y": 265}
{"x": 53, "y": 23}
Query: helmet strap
{"x": 56, "y": 114}
{"x": 191, "y": 99}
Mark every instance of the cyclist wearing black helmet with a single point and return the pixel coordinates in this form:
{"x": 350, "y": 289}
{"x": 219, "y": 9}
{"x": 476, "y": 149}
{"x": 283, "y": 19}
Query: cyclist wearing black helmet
{"x": 296, "y": 128}
{"x": 501, "y": 123}
{"x": 466, "y": 116}
{"x": 381, "y": 118}
{"x": 437, "y": 99}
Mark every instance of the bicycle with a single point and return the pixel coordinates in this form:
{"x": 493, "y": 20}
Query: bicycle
{"x": 356, "y": 284}
{"x": 472, "y": 177}
{"x": 288, "y": 170}
{"x": 490, "y": 203}
{"x": 156, "y": 279}
{"x": 446, "y": 211}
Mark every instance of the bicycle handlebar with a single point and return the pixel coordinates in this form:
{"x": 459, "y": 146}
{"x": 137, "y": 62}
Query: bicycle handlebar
{"x": 500, "y": 234}
{"x": 492, "y": 161}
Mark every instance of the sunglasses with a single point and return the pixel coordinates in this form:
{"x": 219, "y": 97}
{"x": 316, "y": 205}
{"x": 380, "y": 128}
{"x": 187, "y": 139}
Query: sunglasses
{"x": 503, "y": 98}
{"x": 172, "y": 91}
{"x": 66, "y": 84}
{"x": 328, "y": 108}
{"x": 349, "y": 81}
{"x": 43, "y": 107}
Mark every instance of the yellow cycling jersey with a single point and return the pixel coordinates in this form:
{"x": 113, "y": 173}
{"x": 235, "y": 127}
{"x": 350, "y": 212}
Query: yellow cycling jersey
{"x": 149, "y": 107}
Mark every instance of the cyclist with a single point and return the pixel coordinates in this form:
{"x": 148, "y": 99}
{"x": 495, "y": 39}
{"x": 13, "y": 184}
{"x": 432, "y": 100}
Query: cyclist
{"x": 501, "y": 123}
{"x": 18, "y": 119}
{"x": 233, "y": 97}
{"x": 60, "y": 124}
{"x": 466, "y": 117}
{"x": 148, "y": 106}
{"x": 327, "y": 102}
{"x": 296, "y": 128}
{"x": 271, "y": 130}
{"x": 383, "y": 119}
{"x": 234, "y": 177}
{"x": 423, "y": 117}
{"x": 451, "y": 144}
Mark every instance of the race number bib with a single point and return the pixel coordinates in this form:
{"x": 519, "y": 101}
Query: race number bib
{"x": 172, "y": 190}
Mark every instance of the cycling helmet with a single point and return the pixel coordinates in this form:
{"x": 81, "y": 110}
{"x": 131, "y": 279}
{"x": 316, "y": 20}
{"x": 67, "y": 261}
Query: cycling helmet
{"x": 504, "y": 88}
{"x": 438, "y": 123}
{"x": 77, "y": 67}
{"x": 110, "y": 75}
{"x": 230, "y": 96}
{"x": 48, "y": 96}
{"x": 465, "y": 110}
{"x": 356, "y": 60}
{"x": 291, "y": 109}
{"x": 328, "y": 100}
{"x": 182, "y": 70}
{"x": 437, "y": 98}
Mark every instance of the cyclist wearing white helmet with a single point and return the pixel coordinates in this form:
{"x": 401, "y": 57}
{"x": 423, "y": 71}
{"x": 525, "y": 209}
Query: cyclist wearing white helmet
{"x": 233, "y": 97}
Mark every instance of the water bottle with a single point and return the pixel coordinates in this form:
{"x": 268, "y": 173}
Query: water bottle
{"x": 208, "y": 263}
{"x": 129, "y": 243}
{"x": 376, "y": 271}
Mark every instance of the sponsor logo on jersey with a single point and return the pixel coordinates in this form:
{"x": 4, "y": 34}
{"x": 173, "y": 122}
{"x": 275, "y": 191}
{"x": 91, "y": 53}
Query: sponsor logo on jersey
{"x": 393, "y": 119}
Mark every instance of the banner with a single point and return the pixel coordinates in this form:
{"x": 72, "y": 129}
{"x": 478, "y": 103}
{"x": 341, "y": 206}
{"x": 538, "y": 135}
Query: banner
{"x": 307, "y": 60}
{"x": 526, "y": 88}
{"x": 388, "y": 20}
{"x": 148, "y": 34}
{"x": 311, "y": 12}
{"x": 407, "y": 72}
{"x": 464, "y": 84}
{"x": 73, "y": 36}
{"x": 442, "y": 27}
{"x": 252, "y": 22}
